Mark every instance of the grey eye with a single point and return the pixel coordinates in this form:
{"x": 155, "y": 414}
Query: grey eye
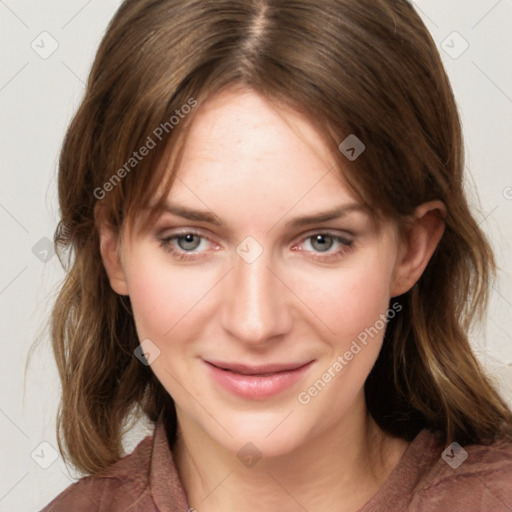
{"x": 188, "y": 242}
{"x": 321, "y": 242}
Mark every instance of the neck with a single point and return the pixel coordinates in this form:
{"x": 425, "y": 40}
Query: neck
{"x": 338, "y": 470}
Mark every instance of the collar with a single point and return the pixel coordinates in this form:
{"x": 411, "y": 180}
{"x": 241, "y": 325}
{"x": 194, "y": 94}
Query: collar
{"x": 165, "y": 484}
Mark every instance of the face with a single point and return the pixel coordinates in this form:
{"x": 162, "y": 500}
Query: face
{"x": 262, "y": 287}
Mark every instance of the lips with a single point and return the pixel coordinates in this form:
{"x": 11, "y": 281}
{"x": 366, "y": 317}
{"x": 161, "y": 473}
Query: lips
{"x": 261, "y": 370}
{"x": 256, "y": 382}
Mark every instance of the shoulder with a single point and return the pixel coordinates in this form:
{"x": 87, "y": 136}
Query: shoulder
{"x": 117, "y": 488}
{"x": 430, "y": 477}
{"x": 470, "y": 478}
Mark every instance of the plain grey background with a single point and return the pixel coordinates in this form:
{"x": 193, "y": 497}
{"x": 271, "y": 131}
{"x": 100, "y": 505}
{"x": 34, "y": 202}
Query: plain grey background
{"x": 46, "y": 51}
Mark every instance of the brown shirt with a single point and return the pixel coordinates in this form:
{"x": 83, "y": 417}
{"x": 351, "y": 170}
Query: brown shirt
{"x": 147, "y": 481}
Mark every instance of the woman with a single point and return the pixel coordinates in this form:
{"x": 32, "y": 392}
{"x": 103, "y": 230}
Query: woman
{"x": 273, "y": 260}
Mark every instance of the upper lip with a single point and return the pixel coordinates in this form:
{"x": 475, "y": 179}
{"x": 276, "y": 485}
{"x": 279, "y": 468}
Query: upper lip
{"x": 246, "y": 369}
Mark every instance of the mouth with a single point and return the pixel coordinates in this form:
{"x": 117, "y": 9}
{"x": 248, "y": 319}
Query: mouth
{"x": 261, "y": 371}
{"x": 256, "y": 382}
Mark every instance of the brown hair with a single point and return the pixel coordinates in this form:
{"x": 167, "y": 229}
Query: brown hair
{"x": 365, "y": 67}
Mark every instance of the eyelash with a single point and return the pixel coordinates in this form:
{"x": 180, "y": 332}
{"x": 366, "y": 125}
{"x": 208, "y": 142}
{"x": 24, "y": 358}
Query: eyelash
{"x": 345, "y": 245}
{"x": 180, "y": 255}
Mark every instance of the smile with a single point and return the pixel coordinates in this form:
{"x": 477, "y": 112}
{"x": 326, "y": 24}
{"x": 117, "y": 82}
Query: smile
{"x": 256, "y": 382}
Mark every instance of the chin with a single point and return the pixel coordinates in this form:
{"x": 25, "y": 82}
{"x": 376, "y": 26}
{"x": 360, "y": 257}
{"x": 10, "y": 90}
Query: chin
{"x": 268, "y": 435}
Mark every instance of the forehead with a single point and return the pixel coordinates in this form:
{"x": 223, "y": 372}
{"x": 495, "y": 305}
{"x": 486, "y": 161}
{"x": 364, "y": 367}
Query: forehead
{"x": 244, "y": 151}
{"x": 235, "y": 123}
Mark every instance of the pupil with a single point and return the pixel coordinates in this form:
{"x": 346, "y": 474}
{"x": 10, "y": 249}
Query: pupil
{"x": 322, "y": 242}
{"x": 188, "y": 242}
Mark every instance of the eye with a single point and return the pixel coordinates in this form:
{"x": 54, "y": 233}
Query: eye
{"x": 321, "y": 242}
{"x": 324, "y": 245}
{"x": 188, "y": 242}
{"x": 186, "y": 245}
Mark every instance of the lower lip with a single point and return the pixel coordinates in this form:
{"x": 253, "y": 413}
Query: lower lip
{"x": 253, "y": 387}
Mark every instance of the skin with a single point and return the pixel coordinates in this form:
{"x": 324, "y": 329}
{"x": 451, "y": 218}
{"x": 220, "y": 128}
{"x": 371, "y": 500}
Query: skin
{"x": 257, "y": 168}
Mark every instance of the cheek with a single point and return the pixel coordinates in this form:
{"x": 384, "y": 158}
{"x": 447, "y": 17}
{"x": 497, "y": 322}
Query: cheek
{"x": 352, "y": 304}
{"x": 164, "y": 297}
{"x": 168, "y": 300}
{"x": 349, "y": 299}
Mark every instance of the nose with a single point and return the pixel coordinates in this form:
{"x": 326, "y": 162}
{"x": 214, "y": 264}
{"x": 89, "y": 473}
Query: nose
{"x": 256, "y": 306}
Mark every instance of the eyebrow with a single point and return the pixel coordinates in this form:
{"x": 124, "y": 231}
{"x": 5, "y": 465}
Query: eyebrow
{"x": 210, "y": 217}
{"x": 191, "y": 214}
{"x": 326, "y": 216}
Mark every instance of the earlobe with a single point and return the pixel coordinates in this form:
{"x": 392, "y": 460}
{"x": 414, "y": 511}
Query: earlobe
{"x": 418, "y": 246}
{"x": 109, "y": 245}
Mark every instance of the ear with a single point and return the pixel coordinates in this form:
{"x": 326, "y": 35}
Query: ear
{"x": 417, "y": 245}
{"x": 110, "y": 255}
